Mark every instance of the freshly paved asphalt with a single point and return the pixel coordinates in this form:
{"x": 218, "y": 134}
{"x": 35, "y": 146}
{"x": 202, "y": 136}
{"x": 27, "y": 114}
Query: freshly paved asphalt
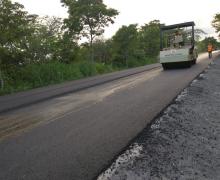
{"x": 22, "y": 99}
{"x": 74, "y": 136}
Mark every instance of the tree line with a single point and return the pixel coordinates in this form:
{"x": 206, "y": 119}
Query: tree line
{"x": 37, "y": 51}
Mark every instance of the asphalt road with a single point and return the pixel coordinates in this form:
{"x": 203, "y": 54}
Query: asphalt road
{"x": 181, "y": 144}
{"x": 22, "y": 99}
{"x": 76, "y": 135}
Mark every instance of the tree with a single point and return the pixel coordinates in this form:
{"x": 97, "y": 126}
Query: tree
{"x": 67, "y": 49}
{"x": 88, "y": 18}
{"x": 102, "y": 51}
{"x": 216, "y": 23}
{"x": 150, "y": 38}
{"x": 43, "y": 44}
{"x": 125, "y": 45}
{"x": 198, "y": 34}
{"x": 202, "y": 45}
{"x": 14, "y": 29}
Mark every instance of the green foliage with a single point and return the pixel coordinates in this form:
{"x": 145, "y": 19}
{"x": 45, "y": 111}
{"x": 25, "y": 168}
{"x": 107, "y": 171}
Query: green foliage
{"x": 132, "y": 47}
{"x": 150, "y": 38}
{"x": 38, "y": 51}
{"x": 103, "y": 68}
{"x": 14, "y": 30}
{"x": 38, "y": 75}
{"x": 198, "y": 34}
{"x": 43, "y": 44}
{"x": 103, "y": 51}
{"x": 216, "y": 23}
{"x": 125, "y": 44}
{"x": 88, "y": 69}
{"x": 67, "y": 49}
{"x": 202, "y": 45}
{"x": 88, "y": 18}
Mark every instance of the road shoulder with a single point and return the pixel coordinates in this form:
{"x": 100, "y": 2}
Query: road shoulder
{"x": 183, "y": 143}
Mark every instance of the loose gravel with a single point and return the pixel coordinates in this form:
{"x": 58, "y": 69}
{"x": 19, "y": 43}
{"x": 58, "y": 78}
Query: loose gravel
{"x": 183, "y": 143}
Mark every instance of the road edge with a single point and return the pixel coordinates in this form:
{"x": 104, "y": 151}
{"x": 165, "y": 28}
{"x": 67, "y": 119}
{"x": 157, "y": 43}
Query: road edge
{"x": 148, "y": 126}
{"x": 23, "y": 99}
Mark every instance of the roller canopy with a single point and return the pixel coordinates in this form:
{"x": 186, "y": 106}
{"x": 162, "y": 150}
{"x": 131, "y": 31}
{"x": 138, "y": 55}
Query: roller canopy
{"x": 181, "y": 25}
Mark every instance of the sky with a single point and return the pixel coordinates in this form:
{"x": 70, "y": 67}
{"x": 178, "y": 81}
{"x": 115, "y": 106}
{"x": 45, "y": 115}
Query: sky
{"x": 141, "y": 12}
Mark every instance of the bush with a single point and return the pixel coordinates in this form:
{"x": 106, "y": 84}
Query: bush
{"x": 38, "y": 75}
{"x": 102, "y": 68}
{"x": 87, "y": 69}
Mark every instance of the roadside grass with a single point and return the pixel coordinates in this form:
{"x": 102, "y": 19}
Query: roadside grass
{"x": 40, "y": 75}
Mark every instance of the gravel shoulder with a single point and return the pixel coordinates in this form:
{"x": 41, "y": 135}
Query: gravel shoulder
{"x": 183, "y": 143}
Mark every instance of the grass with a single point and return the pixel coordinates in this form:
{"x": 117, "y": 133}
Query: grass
{"x": 39, "y": 75}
